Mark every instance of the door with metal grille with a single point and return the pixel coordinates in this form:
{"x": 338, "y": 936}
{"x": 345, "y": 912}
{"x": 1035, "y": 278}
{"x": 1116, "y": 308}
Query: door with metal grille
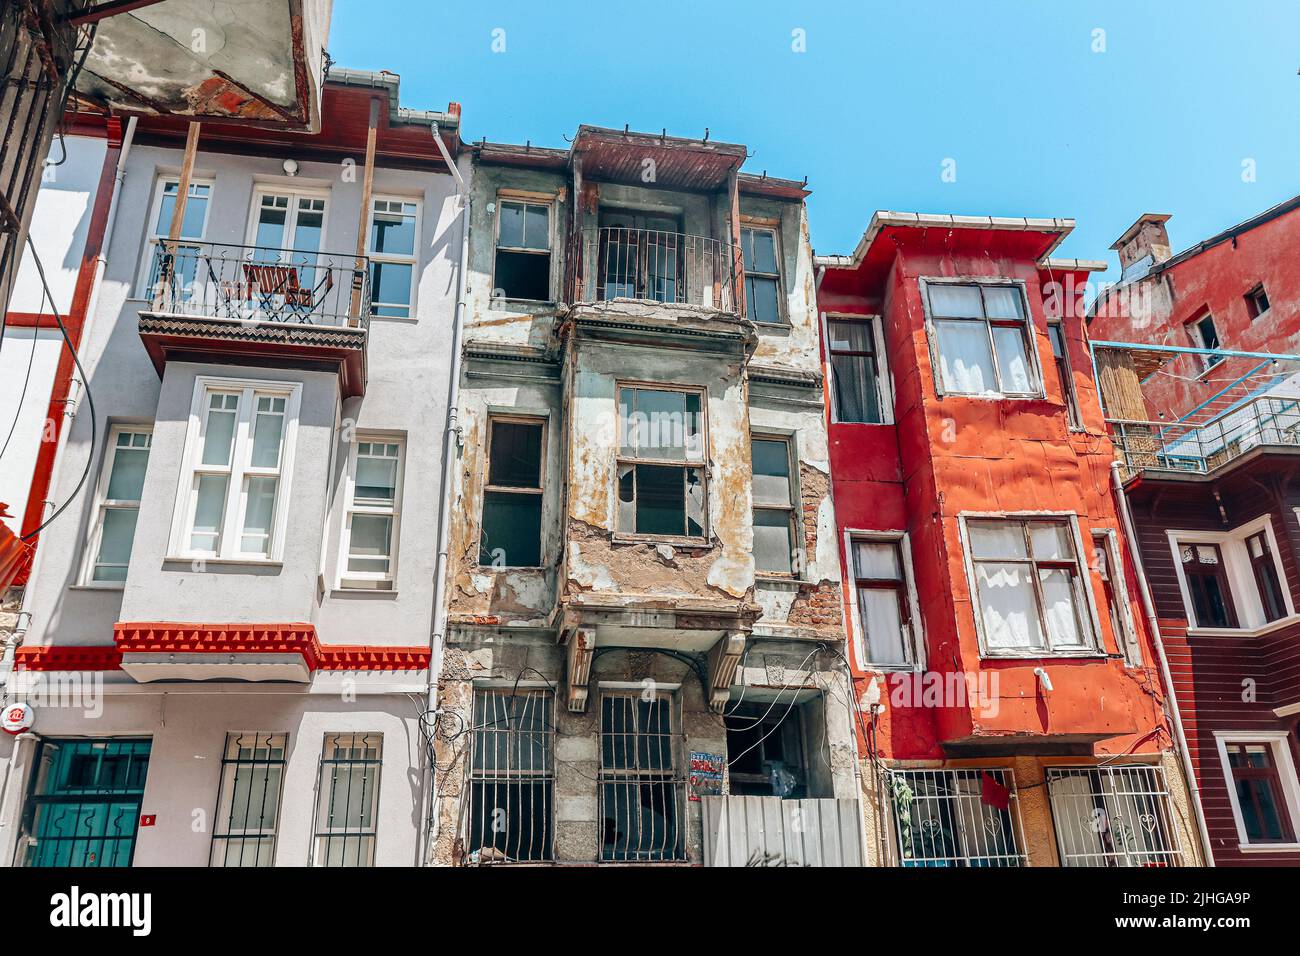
{"x": 640, "y": 779}
{"x": 512, "y": 776}
{"x": 84, "y": 805}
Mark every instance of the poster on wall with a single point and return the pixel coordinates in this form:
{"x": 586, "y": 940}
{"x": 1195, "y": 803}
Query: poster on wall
{"x": 706, "y": 775}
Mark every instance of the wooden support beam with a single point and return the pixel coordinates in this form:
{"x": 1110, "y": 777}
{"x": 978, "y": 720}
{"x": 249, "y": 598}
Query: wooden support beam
{"x": 168, "y": 270}
{"x": 363, "y": 223}
{"x": 738, "y": 259}
{"x": 576, "y": 258}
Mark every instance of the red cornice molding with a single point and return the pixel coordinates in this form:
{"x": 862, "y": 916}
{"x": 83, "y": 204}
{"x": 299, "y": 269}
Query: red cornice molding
{"x": 359, "y": 657}
{"x": 101, "y": 657}
{"x": 169, "y": 637}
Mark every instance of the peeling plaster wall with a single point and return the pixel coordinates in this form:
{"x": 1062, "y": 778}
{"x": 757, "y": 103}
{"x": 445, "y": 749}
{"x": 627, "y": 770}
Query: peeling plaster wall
{"x": 724, "y": 566}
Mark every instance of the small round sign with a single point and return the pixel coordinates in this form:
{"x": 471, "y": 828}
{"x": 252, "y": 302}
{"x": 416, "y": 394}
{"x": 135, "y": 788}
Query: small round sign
{"x": 17, "y": 718}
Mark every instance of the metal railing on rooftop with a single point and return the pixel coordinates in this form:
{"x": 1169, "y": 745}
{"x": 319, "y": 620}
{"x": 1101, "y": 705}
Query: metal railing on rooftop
{"x": 258, "y": 284}
{"x": 666, "y": 267}
{"x": 1199, "y": 448}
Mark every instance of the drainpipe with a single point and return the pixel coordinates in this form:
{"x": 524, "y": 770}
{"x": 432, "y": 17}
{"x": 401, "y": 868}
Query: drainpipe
{"x": 15, "y": 638}
{"x": 451, "y": 447}
{"x": 1148, "y": 605}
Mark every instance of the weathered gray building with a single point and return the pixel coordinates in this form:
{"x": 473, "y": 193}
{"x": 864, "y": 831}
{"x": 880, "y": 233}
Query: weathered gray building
{"x": 643, "y": 591}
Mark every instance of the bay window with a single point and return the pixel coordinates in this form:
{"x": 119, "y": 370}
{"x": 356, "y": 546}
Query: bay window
{"x": 661, "y": 461}
{"x": 982, "y": 340}
{"x": 1233, "y": 579}
{"x": 237, "y": 467}
{"x": 1029, "y": 592}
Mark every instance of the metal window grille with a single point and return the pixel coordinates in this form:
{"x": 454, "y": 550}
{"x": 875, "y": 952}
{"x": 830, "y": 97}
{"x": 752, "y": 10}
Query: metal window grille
{"x": 84, "y": 805}
{"x": 248, "y": 808}
{"x": 512, "y": 776}
{"x": 1113, "y": 816}
{"x": 346, "y": 794}
{"x": 640, "y": 780}
{"x": 942, "y": 819}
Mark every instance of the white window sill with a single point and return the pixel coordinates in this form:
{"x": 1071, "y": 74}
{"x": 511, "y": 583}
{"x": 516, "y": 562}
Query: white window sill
{"x": 792, "y": 581}
{"x": 346, "y": 592}
{"x": 98, "y": 586}
{"x": 1244, "y": 631}
{"x": 995, "y": 396}
{"x": 867, "y": 424}
{"x": 226, "y": 562}
{"x": 1095, "y": 655}
{"x": 1269, "y": 847}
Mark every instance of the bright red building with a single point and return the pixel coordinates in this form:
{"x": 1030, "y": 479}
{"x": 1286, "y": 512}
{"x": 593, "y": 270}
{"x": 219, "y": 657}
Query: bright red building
{"x": 1208, "y": 439}
{"x": 994, "y": 608}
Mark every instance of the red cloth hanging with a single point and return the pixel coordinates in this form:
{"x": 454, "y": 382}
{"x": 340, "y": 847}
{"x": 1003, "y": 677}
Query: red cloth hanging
{"x": 993, "y": 793}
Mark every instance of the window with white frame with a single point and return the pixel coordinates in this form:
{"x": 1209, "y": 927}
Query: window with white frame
{"x": 661, "y": 461}
{"x": 983, "y": 340}
{"x": 759, "y": 247}
{"x": 966, "y": 818}
{"x": 394, "y": 242}
{"x": 1118, "y": 815}
{"x": 1231, "y": 579}
{"x": 522, "y": 269}
{"x": 121, "y": 482}
{"x": 1030, "y": 598}
{"x": 1263, "y": 787}
{"x": 777, "y": 547}
{"x": 347, "y": 797}
{"x": 856, "y": 370}
{"x": 1061, "y": 359}
{"x": 194, "y": 227}
{"x": 374, "y": 494}
{"x": 248, "y": 806}
{"x": 1110, "y": 568}
{"x": 236, "y": 477}
{"x": 883, "y": 598}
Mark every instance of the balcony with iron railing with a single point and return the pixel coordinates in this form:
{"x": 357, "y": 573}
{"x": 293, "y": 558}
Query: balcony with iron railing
{"x": 1199, "y": 448}
{"x": 666, "y": 268}
{"x": 280, "y": 307}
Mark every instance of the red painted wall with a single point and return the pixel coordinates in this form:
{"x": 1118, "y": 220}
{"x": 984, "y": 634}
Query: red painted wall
{"x": 957, "y": 454}
{"x": 1215, "y": 280}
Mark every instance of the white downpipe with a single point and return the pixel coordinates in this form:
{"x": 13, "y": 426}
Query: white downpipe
{"x": 451, "y": 447}
{"x": 1149, "y": 607}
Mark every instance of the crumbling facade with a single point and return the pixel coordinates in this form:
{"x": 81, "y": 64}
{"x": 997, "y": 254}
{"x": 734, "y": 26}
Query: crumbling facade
{"x": 645, "y": 623}
{"x": 1205, "y": 411}
{"x": 1007, "y": 685}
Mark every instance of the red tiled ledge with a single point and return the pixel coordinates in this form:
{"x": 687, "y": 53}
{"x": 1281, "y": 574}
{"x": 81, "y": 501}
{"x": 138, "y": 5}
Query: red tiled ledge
{"x": 166, "y": 637}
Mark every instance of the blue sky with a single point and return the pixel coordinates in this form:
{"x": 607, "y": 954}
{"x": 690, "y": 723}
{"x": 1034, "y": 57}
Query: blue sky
{"x": 1037, "y": 122}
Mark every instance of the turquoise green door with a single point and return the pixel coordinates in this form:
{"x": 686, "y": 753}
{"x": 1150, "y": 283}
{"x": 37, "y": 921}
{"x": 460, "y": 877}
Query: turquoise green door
{"x": 84, "y": 806}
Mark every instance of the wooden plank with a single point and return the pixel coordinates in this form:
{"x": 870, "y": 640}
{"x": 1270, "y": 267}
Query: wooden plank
{"x": 363, "y": 221}
{"x": 738, "y": 268}
{"x": 183, "y": 188}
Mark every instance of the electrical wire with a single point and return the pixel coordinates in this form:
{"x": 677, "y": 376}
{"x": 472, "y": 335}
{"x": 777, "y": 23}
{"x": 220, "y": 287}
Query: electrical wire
{"x": 31, "y": 359}
{"x": 85, "y": 382}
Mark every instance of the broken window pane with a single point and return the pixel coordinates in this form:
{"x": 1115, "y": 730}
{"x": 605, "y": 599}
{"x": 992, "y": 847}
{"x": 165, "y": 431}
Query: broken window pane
{"x": 512, "y": 530}
{"x": 660, "y": 500}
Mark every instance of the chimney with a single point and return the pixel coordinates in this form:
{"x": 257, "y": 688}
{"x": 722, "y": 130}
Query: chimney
{"x": 1144, "y": 244}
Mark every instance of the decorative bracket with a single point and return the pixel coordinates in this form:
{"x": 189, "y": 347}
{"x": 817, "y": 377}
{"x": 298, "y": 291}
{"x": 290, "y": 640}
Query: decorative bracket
{"x": 582, "y": 648}
{"x": 724, "y": 658}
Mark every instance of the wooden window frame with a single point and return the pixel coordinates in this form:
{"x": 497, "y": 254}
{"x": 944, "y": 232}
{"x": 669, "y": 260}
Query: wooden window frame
{"x": 1289, "y": 784}
{"x": 1055, "y": 336}
{"x": 549, "y": 252}
{"x": 1025, "y": 324}
{"x": 782, "y": 315}
{"x": 798, "y": 552}
{"x": 686, "y": 463}
{"x": 535, "y": 421}
{"x": 884, "y": 398}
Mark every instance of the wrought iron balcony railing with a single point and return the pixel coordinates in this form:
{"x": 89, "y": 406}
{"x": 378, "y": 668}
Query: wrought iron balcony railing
{"x": 666, "y": 267}
{"x": 1200, "y": 448}
{"x": 257, "y": 284}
